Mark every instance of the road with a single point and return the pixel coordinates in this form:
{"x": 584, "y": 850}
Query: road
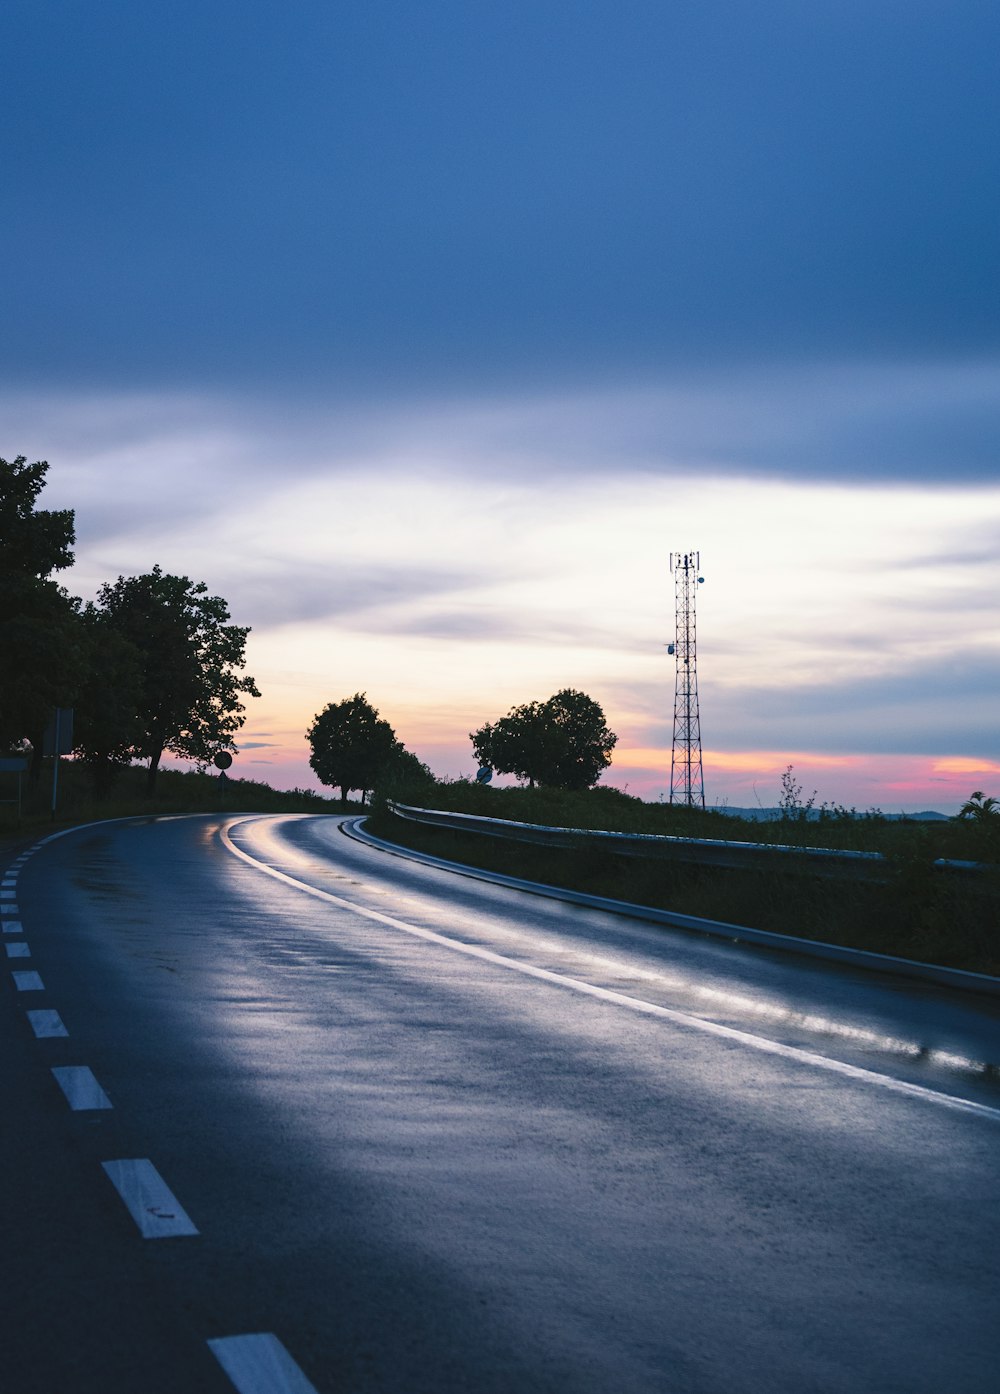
{"x": 418, "y": 1132}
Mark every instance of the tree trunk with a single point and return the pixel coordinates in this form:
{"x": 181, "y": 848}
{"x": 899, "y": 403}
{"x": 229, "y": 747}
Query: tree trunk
{"x": 154, "y": 766}
{"x": 35, "y": 768}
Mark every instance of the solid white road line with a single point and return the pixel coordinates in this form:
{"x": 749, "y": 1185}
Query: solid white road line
{"x": 148, "y": 1199}
{"x": 80, "y": 1087}
{"x": 28, "y": 982}
{"x": 260, "y": 1364}
{"x": 46, "y": 1022}
{"x": 13, "y": 927}
{"x": 636, "y": 1004}
{"x": 18, "y": 950}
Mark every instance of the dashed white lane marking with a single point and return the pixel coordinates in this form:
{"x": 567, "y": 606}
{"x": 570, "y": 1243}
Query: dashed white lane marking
{"x": 13, "y": 927}
{"x": 46, "y": 1022}
{"x": 260, "y": 1364}
{"x": 148, "y": 1199}
{"x": 28, "y": 982}
{"x": 17, "y": 950}
{"x": 636, "y": 1004}
{"x": 80, "y": 1087}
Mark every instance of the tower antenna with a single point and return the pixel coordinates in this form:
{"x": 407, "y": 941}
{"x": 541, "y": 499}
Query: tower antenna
{"x": 687, "y": 785}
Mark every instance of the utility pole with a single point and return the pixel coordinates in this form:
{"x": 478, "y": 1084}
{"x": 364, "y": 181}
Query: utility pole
{"x": 686, "y": 779}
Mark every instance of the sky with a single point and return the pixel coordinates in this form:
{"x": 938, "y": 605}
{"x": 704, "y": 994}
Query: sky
{"x": 425, "y": 333}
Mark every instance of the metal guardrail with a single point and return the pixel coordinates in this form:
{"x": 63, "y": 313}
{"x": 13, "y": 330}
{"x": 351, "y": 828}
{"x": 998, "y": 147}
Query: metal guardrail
{"x": 746, "y": 856}
{"x": 811, "y": 948}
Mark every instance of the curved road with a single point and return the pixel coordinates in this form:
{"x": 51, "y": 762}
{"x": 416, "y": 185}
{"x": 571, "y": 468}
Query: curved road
{"x": 286, "y": 1112}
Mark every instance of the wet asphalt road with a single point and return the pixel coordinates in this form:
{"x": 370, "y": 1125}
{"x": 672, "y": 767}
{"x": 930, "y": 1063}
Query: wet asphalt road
{"x": 439, "y": 1135}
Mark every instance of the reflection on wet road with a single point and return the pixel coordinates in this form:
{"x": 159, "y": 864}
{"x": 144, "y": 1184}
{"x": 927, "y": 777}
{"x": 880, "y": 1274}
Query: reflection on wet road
{"x": 931, "y": 1036}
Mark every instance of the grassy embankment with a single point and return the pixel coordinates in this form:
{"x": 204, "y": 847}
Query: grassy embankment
{"x": 177, "y": 792}
{"x": 916, "y": 912}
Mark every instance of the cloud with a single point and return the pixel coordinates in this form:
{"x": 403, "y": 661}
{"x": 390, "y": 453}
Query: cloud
{"x": 965, "y": 765}
{"x": 279, "y": 592}
{"x": 451, "y": 572}
{"x": 469, "y": 199}
{"x": 143, "y": 465}
{"x": 910, "y": 709}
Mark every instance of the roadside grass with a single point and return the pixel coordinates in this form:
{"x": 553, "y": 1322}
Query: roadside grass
{"x": 610, "y": 810}
{"x": 177, "y": 792}
{"x": 918, "y": 912}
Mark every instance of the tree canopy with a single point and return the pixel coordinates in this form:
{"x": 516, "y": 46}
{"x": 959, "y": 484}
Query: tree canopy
{"x": 184, "y": 677}
{"x": 355, "y": 748}
{"x": 39, "y": 636}
{"x": 980, "y": 807}
{"x": 153, "y": 666}
{"x": 563, "y": 742}
{"x": 33, "y": 541}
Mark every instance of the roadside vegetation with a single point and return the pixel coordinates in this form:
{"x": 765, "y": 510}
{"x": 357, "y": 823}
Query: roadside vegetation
{"x": 972, "y": 837}
{"x": 152, "y": 667}
{"x": 177, "y": 792}
{"x": 353, "y": 748}
{"x": 917, "y": 912}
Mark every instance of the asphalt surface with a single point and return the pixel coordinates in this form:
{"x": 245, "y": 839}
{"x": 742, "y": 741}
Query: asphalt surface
{"x": 429, "y": 1134}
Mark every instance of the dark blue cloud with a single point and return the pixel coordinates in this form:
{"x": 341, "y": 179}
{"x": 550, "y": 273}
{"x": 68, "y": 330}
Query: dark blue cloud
{"x": 947, "y": 708}
{"x": 375, "y": 195}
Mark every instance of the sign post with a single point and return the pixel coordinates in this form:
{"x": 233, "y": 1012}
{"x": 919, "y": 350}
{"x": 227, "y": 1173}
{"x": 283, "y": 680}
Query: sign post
{"x": 58, "y": 740}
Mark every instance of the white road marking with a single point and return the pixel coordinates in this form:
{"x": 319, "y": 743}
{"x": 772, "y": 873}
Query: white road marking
{"x": 9, "y": 883}
{"x": 9, "y": 909}
{"x": 636, "y": 1004}
{"x": 148, "y": 1199}
{"x": 80, "y": 1087}
{"x": 260, "y": 1364}
{"x": 13, "y": 927}
{"x": 28, "y": 982}
{"x": 46, "y": 1023}
{"x": 7, "y": 891}
{"x": 18, "y": 950}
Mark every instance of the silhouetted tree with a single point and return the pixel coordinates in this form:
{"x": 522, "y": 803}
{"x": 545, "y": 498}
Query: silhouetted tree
{"x": 404, "y": 775}
{"x": 108, "y": 727}
{"x": 351, "y": 745}
{"x": 980, "y": 808}
{"x": 187, "y": 698}
{"x": 564, "y": 742}
{"x": 39, "y": 637}
{"x": 33, "y": 542}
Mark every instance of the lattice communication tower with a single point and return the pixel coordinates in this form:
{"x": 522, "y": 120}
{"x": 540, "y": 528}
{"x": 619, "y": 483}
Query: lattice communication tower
{"x": 687, "y": 785}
